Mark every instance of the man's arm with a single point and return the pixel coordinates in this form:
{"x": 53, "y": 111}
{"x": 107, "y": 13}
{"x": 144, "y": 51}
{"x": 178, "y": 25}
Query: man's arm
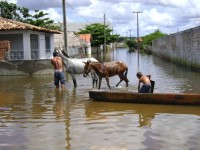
{"x": 139, "y": 86}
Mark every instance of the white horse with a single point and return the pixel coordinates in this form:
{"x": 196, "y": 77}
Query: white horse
{"x": 76, "y": 66}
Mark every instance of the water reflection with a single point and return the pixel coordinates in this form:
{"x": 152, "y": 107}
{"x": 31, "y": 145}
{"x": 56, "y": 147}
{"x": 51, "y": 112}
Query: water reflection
{"x": 146, "y": 113}
{"x": 33, "y": 115}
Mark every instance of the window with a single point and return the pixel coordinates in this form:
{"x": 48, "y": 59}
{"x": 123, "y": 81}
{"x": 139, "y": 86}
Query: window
{"x": 47, "y": 43}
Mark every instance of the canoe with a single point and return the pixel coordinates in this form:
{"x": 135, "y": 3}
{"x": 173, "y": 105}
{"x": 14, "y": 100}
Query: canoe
{"x": 145, "y": 98}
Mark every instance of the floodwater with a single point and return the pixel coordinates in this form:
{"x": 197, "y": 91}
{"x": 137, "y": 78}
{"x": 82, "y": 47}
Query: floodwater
{"x": 33, "y": 115}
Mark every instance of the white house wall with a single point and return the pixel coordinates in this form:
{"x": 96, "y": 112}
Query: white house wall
{"x": 20, "y": 40}
{"x": 26, "y": 47}
{"x": 43, "y": 54}
{"x": 16, "y": 40}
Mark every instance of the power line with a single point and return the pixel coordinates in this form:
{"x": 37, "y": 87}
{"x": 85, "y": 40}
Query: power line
{"x": 76, "y": 11}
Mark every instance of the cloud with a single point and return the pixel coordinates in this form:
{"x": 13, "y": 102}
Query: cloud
{"x": 10, "y": 1}
{"x": 39, "y": 4}
{"x": 166, "y": 15}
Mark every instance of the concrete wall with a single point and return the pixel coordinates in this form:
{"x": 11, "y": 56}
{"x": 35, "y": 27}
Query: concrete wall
{"x": 26, "y": 67}
{"x": 182, "y": 47}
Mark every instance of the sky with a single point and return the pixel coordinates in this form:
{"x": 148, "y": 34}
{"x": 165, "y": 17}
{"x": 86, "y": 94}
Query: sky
{"x": 168, "y": 16}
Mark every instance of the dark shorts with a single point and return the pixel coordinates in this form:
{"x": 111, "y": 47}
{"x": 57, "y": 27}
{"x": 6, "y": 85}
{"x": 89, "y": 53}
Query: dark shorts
{"x": 146, "y": 88}
{"x": 59, "y": 77}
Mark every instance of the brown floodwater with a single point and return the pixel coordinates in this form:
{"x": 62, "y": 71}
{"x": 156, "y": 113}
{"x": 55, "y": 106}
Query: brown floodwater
{"x": 33, "y": 115}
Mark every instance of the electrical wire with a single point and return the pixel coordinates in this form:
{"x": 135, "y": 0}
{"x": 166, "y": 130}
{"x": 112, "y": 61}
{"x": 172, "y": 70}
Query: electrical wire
{"x": 76, "y": 11}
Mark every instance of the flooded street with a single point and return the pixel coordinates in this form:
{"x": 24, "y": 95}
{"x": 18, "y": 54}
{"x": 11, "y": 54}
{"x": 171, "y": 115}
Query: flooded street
{"x": 33, "y": 115}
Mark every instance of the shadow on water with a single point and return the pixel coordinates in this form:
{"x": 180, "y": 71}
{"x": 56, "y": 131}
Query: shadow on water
{"x": 146, "y": 112}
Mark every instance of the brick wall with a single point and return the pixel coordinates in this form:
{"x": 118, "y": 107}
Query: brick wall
{"x": 4, "y": 47}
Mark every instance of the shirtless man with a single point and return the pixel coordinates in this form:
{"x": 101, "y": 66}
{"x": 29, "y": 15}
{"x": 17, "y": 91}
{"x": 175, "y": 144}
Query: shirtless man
{"x": 59, "y": 75}
{"x": 146, "y": 87}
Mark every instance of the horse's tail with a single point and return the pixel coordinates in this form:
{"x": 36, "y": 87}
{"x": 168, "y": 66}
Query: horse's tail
{"x": 125, "y": 73}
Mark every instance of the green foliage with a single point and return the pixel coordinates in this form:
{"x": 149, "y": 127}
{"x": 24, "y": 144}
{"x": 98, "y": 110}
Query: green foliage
{"x": 39, "y": 19}
{"x": 97, "y": 32}
{"x": 147, "y": 40}
{"x": 11, "y": 11}
{"x": 121, "y": 39}
{"x": 132, "y": 44}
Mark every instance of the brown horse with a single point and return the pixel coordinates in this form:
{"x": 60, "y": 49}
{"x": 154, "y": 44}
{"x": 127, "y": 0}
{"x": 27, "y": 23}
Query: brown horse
{"x": 108, "y": 69}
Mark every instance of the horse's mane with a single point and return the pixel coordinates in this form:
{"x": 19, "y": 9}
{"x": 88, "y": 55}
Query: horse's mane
{"x": 94, "y": 62}
{"x": 63, "y": 52}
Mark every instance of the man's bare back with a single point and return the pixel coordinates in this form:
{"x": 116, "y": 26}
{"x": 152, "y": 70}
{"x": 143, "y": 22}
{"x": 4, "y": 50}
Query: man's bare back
{"x": 59, "y": 76}
{"x": 146, "y": 87}
{"x": 57, "y": 63}
{"x": 144, "y": 79}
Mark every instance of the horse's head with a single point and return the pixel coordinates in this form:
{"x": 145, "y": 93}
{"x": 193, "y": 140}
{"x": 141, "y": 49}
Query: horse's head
{"x": 87, "y": 68}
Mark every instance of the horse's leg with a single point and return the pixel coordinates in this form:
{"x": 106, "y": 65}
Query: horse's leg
{"x": 93, "y": 82}
{"x": 119, "y": 82}
{"x": 94, "y": 78}
{"x": 121, "y": 79}
{"x": 74, "y": 79}
{"x": 100, "y": 78}
{"x": 107, "y": 80}
{"x": 126, "y": 80}
{"x": 96, "y": 82}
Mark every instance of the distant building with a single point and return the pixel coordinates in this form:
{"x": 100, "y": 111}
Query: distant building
{"x": 76, "y": 26}
{"x": 86, "y": 38}
{"x": 75, "y": 44}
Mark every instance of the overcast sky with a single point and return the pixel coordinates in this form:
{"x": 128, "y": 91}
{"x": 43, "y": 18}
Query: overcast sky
{"x": 168, "y": 16}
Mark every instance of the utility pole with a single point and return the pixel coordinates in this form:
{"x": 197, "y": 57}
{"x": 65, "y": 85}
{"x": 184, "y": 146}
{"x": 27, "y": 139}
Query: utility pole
{"x": 138, "y": 43}
{"x": 130, "y": 33}
{"x": 64, "y": 26}
{"x": 104, "y": 47}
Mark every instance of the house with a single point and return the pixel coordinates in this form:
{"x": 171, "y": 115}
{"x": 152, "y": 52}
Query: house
{"x": 27, "y": 42}
{"x": 86, "y": 38}
{"x": 77, "y": 45}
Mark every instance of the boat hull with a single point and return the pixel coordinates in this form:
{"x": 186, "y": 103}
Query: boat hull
{"x": 147, "y": 98}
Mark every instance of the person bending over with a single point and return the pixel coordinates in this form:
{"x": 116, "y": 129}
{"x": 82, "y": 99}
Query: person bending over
{"x": 146, "y": 87}
{"x": 59, "y": 76}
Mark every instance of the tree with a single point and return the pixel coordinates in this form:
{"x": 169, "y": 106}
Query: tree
{"x": 132, "y": 44}
{"x": 147, "y": 40}
{"x": 13, "y": 12}
{"x": 97, "y": 32}
{"x": 39, "y": 19}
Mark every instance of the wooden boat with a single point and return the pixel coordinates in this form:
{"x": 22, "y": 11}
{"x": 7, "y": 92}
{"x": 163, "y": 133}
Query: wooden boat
{"x": 145, "y": 98}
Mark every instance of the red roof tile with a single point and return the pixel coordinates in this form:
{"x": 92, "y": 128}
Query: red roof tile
{"x": 85, "y": 37}
{"x": 7, "y": 24}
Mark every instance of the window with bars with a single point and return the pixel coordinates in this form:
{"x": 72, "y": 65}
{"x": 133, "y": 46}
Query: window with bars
{"x": 47, "y": 43}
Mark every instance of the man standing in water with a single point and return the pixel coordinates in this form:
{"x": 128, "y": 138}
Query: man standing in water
{"x": 146, "y": 87}
{"x": 59, "y": 76}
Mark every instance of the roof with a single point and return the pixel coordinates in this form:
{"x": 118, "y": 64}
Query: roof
{"x": 7, "y": 24}
{"x": 72, "y": 40}
{"x": 85, "y": 37}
